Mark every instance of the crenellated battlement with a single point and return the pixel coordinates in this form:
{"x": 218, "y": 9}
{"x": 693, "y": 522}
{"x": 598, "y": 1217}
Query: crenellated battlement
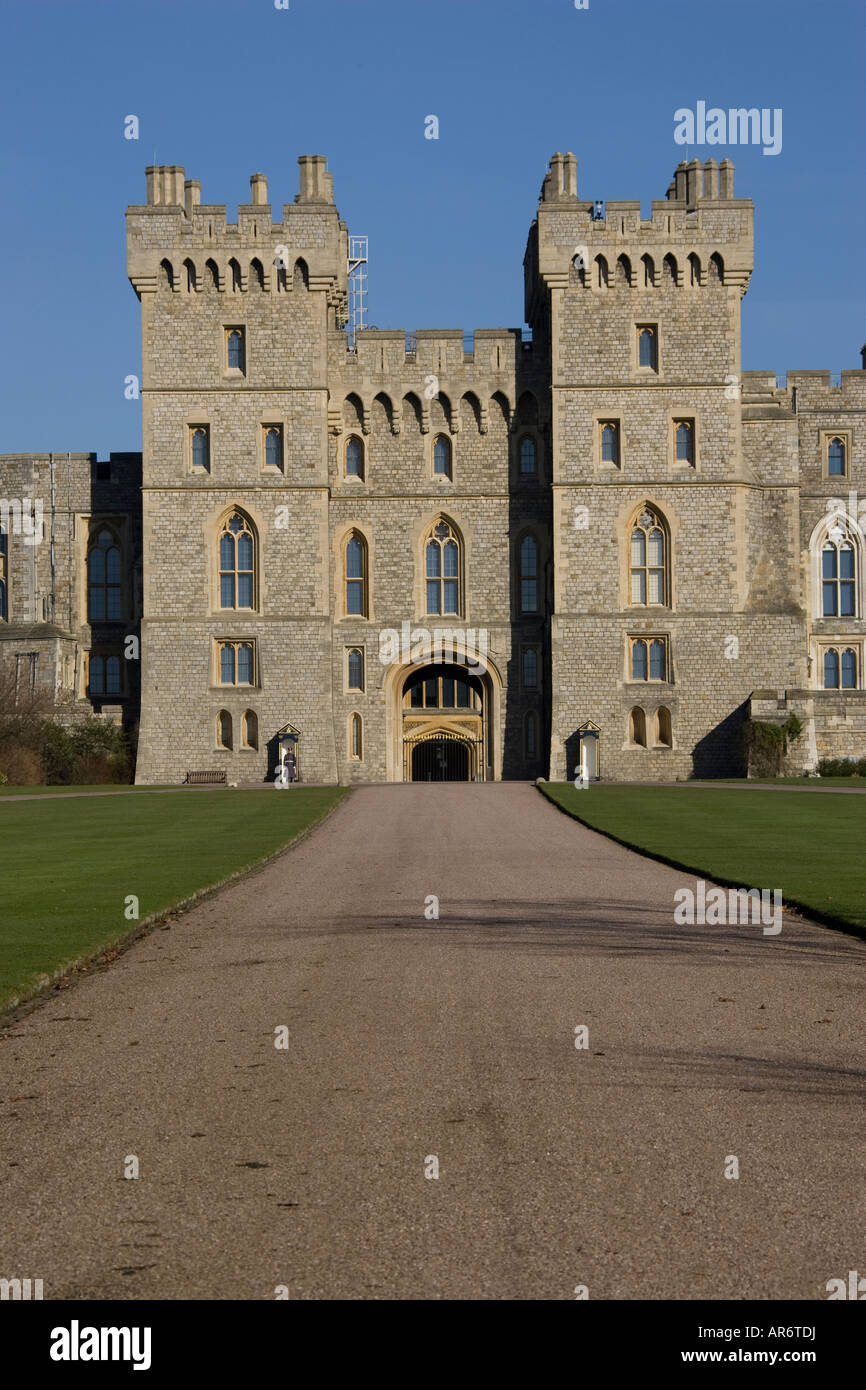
{"x": 390, "y": 365}
{"x": 700, "y": 232}
{"x": 806, "y": 391}
{"x": 692, "y": 183}
{"x": 175, "y": 239}
{"x": 442, "y": 351}
{"x": 826, "y": 390}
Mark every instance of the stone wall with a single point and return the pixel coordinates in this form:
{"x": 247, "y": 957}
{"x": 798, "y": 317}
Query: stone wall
{"x": 54, "y": 504}
{"x": 745, "y": 519}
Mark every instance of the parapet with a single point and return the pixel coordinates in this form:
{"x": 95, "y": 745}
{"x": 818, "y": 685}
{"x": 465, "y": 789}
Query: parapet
{"x": 168, "y": 188}
{"x": 175, "y": 229}
{"x": 698, "y": 225}
{"x": 823, "y": 390}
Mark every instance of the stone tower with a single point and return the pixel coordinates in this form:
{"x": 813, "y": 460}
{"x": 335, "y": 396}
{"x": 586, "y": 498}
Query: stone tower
{"x": 235, "y": 322}
{"x": 668, "y": 532}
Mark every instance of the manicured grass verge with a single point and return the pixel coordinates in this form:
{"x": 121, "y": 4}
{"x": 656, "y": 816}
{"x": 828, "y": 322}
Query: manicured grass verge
{"x": 68, "y": 865}
{"x": 792, "y": 782}
{"x": 811, "y": 847}
{"x": 96, "y": 787}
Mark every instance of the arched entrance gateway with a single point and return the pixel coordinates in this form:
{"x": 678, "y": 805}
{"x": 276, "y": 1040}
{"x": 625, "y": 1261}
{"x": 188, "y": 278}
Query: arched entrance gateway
{"x": 443, "y": 722}
{"x": 450, "y": 702}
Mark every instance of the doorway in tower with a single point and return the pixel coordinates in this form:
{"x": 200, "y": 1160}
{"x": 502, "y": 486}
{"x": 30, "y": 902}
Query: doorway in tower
{"x": 443, "y": 725}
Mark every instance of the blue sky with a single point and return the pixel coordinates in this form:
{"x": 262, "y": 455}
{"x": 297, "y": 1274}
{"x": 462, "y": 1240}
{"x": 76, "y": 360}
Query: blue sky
{"x": 229, "y": 87}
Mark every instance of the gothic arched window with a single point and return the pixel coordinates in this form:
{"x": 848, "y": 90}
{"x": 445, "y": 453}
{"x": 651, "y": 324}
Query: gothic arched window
{"x": 237, "y": 562}
{"x": 442, "y": 570}
{"x": 838, "y": 575}
{"x": 648, "y": 579}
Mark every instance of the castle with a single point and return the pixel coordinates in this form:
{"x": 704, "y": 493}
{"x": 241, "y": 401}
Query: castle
{"x": 427, "y": 556}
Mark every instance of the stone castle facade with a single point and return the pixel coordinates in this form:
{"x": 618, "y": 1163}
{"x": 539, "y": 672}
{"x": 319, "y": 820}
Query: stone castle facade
{"x": 426, "y": 556}
{"x": 62, "y": 516}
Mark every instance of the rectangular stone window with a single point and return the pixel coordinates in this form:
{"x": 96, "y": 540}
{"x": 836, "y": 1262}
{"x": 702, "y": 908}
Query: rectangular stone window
{"x": 272, "y": 448}
{"x": 198, "y": 448}
{"x": 235, "y": 351}
{"x": 355, "y": 668}
{"x": 683, "y": 442}
{"x": 105, "y": 670}
{"x": 610, "y": 443}
{"x": 647, "y": 347}
{"x": 835, "y": 447}
{"x": 236, "y": 662}
{"x": 648, "y": 658}
{"x": 839, "y": 666}
{"x": 529, "y": 668}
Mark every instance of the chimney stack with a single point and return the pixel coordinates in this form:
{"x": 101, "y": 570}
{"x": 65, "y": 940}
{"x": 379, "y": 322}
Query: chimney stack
{"x": 191, "y": 195}
{"x": 711, "y": 179}
{"x": 316, "y": 183}
{"x": 258, "y": 189}
{"x": 165, "y": 185}
{"x": 694, "y": 182}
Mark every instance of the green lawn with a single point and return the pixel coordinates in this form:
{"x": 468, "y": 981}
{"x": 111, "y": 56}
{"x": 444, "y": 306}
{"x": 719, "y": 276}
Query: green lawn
{"x": 811, "y": 847}
{"x": 67, "y": 867}
{"x": 70, "y": 791}
{"x": 793, "y": 781}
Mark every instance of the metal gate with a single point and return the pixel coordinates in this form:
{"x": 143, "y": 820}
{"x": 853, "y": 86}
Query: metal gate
{"x": 442, "y": 757}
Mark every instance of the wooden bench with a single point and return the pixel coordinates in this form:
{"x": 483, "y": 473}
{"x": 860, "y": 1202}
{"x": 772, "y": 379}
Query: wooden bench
{"x": 215, "y": 778}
